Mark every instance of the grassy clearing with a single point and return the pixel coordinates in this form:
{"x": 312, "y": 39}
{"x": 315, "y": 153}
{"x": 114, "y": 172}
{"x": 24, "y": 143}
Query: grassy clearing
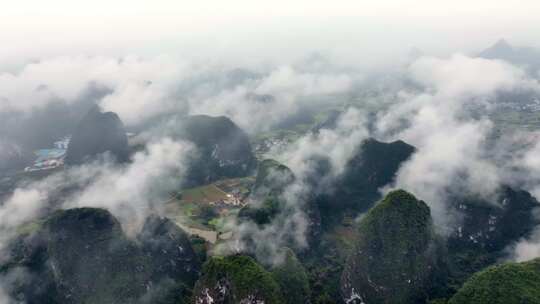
{"x": 203, "y": 194}
{"x": 242, "y": 184}
{"x": 189, "y": 209}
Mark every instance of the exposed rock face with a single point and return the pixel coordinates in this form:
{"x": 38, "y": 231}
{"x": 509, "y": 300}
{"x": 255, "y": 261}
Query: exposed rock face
{"x": 494, "y": 225}
{"x": 83, "y": 256}
{"x": 487, "y": 228}
{"x": 511, "y": 283}
{"x": 235, "y": 279}
{"x": 170, "y": 250}
{"x": 98, "y": 133}
{"x": 394, "y": 255}
{"x": 224, "y": 149}
{"x": 28, "y": 256}
{"x": 91, "y": 259}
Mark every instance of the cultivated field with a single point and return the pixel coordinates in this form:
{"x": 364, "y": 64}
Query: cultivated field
{"x": 203, "y": 194}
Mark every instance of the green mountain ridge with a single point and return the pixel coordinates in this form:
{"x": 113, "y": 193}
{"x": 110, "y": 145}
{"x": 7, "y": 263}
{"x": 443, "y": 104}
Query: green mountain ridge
{"x": 235, "y": 279}
{"x": 82, "y": 255}
{"x": 395, "y": 254}
{"x": 509, "y": 283}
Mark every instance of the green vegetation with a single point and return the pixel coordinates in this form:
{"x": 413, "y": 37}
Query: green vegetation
{"x": 510, "y": 283}
{"x": 389, "y": 255}
{"x": 292, "y": 279}
{"x": 410, "y": 221}
{"x": 263, "y": 214}
{"x": 243, "y": 277}
{"x": 224, "y": 149}
{"x": 207, "y": 213}
{"x": 374, "y": 165}
{"x": 394, "y": 254}
{"x": 82, "y": 255}
{"x": 325, "y": 262}
{"x": 272, "y": 177}
{"x": 192, "y": 207}
{"x": 199, "y": 246}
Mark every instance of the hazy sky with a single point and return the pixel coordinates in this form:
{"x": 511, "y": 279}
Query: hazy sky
{"x": 243, "y": 29}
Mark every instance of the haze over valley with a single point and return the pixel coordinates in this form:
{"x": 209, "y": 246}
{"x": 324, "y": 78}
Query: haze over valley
{"x": 305, "y": 152}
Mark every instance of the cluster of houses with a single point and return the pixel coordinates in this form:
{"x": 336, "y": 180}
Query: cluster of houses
{"x": 47, "y": 159}
{"x": 233, "y": 199}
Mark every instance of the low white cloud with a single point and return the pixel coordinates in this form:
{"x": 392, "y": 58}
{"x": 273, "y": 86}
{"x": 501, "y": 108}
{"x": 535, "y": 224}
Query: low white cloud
{"x": 138, "y": 88}
{"x": 288, "y": 81}
{"x": 130, "y": 192}
{"x": 24, "y": 205}
{"x": 461, "y": 76}
{"x": 527, "y": 249}
{"x": 337, "y": 144}
{"x": 142, "y": 187}
{"x": 525, "y": 171}
{"x": 259, "y": 103}
{"x": 292, "y": 224}
{"x": 446, "y": 119}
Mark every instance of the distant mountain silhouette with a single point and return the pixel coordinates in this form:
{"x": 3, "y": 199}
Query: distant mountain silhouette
{"x": 223, "y": 147}
{"x": 528, "y": 57}
{"x": 98, "y": 133}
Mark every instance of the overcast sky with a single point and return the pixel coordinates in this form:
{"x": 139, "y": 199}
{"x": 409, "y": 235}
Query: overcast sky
{"x": 240, "y": 29}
